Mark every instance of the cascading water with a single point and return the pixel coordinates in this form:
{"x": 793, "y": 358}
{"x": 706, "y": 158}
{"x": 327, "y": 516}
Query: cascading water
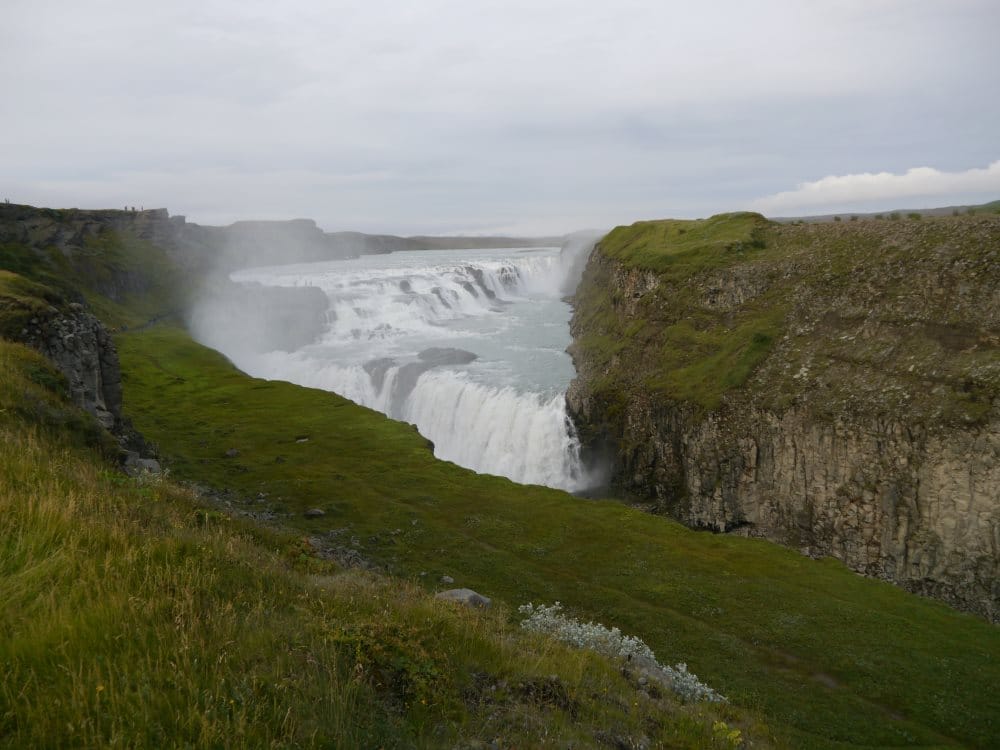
{"x": 468, "y": 345}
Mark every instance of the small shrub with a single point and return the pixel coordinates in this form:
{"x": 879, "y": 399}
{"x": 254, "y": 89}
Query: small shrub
{"x": 394, "y": 657}
{"x": 914, "y": 216}
{"x": 836, "y": 218}
{"x": 854, "y": 217}
{"x": 611, "y": 643}
{"x": 729, "y": 737}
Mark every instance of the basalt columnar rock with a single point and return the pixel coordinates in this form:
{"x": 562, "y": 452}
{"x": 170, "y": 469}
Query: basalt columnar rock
{"x": 832, "y": 387}
{"x": 81, "y": 348}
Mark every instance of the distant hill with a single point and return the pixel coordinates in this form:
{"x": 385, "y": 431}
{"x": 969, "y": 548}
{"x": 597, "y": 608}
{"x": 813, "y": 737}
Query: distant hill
{"x": 238, "y": 245}
{"x": 992, "y": 207}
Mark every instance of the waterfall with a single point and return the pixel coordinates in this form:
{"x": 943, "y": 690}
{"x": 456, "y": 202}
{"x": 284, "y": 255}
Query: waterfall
{"x": 466, "y": 345}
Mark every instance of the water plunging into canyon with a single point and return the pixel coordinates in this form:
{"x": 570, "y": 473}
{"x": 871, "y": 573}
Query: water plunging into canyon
{"x": 468, "y": 345}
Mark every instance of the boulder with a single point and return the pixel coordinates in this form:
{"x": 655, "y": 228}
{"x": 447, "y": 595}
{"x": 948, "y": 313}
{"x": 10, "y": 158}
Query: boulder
{"x": 134, "y": 465}
{"x": 468, "y": 597}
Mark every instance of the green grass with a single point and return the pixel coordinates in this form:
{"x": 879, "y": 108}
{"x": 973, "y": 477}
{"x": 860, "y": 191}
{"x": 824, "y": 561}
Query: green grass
{"x": 698, "y": 358}
{"x": 701, "y": 364}
{"x": 21, "y": 300}
{"x": 124, "y": 280}
{"x": 134, "y": 617}
{"x": 38, "y": 396}
{"x": 826, "y": 658}
{"x": 679, "y": 247}
{"x": 128, "y": 280}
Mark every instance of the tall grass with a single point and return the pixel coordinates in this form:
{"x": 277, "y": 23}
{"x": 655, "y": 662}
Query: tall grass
{"x": 132, "y": 618}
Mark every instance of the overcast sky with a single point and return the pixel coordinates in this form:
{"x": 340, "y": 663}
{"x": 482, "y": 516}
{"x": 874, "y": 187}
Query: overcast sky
{"x": 445, "y": 116}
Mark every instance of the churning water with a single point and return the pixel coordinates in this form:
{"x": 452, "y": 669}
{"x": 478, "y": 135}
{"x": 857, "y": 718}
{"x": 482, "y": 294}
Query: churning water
{"x": 468, "y": 345}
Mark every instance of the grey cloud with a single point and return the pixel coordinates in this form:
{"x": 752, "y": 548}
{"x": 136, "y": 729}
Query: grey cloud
{"x": 446, "y": 115}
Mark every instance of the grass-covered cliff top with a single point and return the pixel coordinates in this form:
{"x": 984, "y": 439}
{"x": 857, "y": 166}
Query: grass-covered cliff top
{"x": 874, "y": 316}
{"x": 150, "y": 613}
{"x": 679, "y": 247}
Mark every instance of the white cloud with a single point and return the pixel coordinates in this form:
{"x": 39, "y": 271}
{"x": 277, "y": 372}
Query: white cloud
{"x": 857, "y": 191}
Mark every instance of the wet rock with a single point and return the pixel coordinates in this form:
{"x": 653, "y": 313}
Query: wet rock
{"x": 446, "y": 355}
{"x": 314, "y": 513}
{"x": 377, "y": 369}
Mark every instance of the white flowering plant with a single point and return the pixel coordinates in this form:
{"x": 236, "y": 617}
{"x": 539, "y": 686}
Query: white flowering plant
{"x": 610, "y": 642}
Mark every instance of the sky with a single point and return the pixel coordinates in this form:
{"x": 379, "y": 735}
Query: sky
{"x": 476, "y": 116}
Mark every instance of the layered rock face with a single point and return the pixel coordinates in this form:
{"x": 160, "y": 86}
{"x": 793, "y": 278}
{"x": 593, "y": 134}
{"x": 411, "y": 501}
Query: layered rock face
{"x": 82, "y": 349}
{"x": 859, "y": 417}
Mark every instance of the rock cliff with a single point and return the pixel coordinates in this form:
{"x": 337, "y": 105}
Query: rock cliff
{"x": 74, "y": 340}
{"x": 832, "y": 387}
{"x": 82, "y": 349}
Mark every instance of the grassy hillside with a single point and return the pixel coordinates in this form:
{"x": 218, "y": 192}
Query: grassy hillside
{"x": 134, "y": 616}
{"x": 144, "y": 613}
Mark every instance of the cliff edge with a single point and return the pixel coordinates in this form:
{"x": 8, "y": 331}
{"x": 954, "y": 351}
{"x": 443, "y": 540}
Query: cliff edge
{"x": 832, "y": 387}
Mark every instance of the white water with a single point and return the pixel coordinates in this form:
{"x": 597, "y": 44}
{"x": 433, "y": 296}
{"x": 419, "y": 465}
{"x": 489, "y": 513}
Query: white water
{"x": 501, "y": 413}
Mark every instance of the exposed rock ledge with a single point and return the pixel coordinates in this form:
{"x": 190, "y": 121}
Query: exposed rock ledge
{"x": 891, "y": 501}
{"x": 80, "y": 346}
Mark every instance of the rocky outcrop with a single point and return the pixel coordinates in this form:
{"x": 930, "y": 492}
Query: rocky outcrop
{"x": 891, "y": 500}
{"x": 867, "y": 424}
{"x": 82, "y": 349}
